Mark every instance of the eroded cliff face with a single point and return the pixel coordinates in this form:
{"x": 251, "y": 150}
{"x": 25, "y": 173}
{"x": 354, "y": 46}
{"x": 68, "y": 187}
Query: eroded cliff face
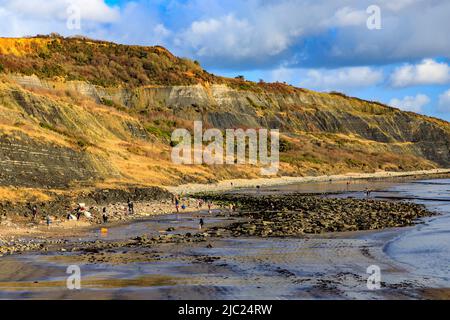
{"x": 47, "y": 142}
{"x": 31, "y": 163}
{"x": 298, "y": 112}
{"x": 302, "y": 112}
{"x": 61, "y": 134}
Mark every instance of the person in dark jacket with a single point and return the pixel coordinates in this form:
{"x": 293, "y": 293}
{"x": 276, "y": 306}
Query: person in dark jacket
{"x": 105, "y": 215}
{"x": 34, "y": 212}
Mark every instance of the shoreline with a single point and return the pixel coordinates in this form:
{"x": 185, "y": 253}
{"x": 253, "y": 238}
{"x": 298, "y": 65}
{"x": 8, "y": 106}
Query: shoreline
{"x": 278, "y": 280}
{"x": 277, "y": 263}
{"x": 233, "y": 184}
{"x": 15, "y": 227}
{"x": 23, "y": 228}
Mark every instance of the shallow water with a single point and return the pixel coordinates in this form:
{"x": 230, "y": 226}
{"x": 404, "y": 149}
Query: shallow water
{"x": 425, "y": 249}
{"x": 156, "y": 225}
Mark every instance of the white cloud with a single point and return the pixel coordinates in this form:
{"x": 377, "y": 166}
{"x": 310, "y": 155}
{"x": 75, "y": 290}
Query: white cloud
{"x": 342, "y": 78}
{"x": 20, "y": 18}
{"x": 277, "y": 31}
{"x": 398, "y": 5}
{"x": 349, "y": 17}
{"x": 444, "y": 102}
{"x": 231, "y": 37}
{"x": 282, "y": 74}
{"x": 411, "y": 103}
{"x": 256, "y": 32}
{"x": 161, "y": 31}
{"x": 92, "y": 10}
{"x": 427, "y": 72}
{"x": 253, "y": 33}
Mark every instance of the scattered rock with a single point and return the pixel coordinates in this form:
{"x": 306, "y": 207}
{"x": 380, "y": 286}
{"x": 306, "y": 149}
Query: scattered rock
{"x": 297, "y": 214}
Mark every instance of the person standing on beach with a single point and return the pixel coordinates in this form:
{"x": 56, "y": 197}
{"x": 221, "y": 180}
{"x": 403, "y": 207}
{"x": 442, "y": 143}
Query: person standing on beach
{"x": 209, "y": 207}
{"x": 34, "y": 212}
{"x": 78, "y": 211}
{"x": 176, "y": 200}
{"x": 200, "y": 224}
{"x": 130, "y": 207}
{"x": 105, "y": 215}
{"x": 48, "y": 220}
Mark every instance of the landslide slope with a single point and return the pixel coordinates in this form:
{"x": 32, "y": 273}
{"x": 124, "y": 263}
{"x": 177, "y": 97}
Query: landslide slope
{"x": 77, "y": 112}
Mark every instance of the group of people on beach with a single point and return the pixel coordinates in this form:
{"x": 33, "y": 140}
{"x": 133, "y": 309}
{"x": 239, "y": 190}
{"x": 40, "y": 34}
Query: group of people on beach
{"x": 78, "y": 212}
{"x": 34, "y": 214}
{"x": 130, "y": 211}
{"x": 179, "y": 199}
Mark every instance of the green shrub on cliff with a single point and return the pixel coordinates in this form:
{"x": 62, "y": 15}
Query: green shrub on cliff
{"x": 107, "y": 102}
{"x": 159, "y": 132}
{"x": 285, "y": 145}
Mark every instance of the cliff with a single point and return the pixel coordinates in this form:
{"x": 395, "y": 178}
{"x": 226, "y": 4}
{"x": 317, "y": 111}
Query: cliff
{"x": 74, "y": 118}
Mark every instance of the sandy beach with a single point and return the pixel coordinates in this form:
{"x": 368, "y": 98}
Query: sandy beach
{"x": 266, "y": 182}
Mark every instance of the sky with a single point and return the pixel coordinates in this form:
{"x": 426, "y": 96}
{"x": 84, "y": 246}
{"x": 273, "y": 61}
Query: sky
{"x": 396, "y": 52}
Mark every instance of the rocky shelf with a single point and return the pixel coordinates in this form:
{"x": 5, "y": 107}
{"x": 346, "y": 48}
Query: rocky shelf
{"x": 296, "y": 215}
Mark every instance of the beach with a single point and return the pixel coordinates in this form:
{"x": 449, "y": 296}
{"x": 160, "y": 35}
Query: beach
{"x": 280, "y": 181}
{"x": 167, "y": 256}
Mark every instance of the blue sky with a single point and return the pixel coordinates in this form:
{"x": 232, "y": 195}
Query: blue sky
{"x": 317, "y": 44}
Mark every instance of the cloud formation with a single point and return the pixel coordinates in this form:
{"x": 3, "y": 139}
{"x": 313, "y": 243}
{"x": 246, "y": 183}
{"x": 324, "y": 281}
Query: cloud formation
{"x": 264, "y": 34}
{"x": 342, "y": 78}
{"x": 20, "y": 18}
{"x": 427, "y": 72}
{"x": 305, "y": 33}
{"x": 411, "y": 103}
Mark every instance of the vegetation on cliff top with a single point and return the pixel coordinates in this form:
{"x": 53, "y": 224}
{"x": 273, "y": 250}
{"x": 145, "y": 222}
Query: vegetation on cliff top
{"x": 109, "y": 64}
{"x": 100, "y": 63}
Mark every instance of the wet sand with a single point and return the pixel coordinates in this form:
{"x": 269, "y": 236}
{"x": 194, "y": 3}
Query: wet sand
{"x": 326, "y": 266}
{"x": 314, "y": 268}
